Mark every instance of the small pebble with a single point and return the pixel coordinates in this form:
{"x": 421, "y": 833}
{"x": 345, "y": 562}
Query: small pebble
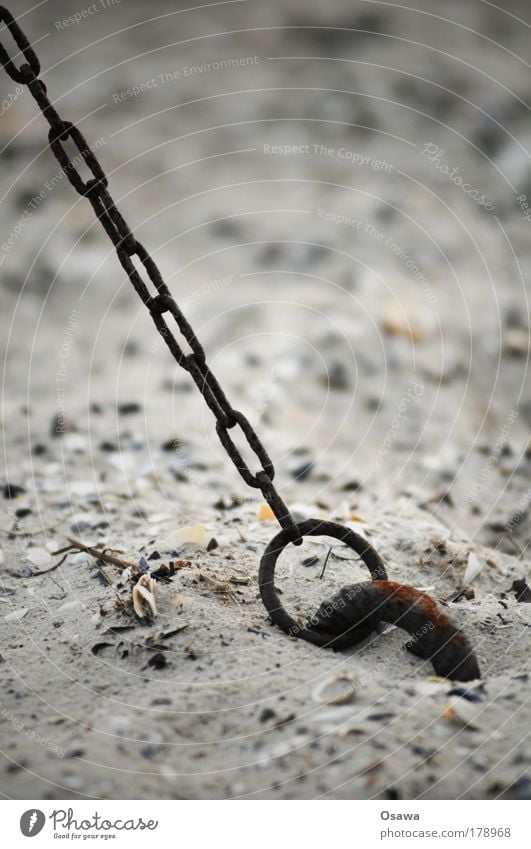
{"x": 128, "y": 408}
{"x": 12, "y": 490}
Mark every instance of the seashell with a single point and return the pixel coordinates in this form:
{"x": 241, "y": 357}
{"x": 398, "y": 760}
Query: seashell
{"x": 462, "y": 712}
{"x": 39, "y": 557}
{"x": 16, "y": 615}
{"x": 340, "y": 689}
{"x": 265, "y": 514}
{"x": 395, "y": 322}
{"x": 474, "y": 567}
{"x": 516, "y": 342}
{"x": 144, "y": 597}
{"x": 194, "y": 534}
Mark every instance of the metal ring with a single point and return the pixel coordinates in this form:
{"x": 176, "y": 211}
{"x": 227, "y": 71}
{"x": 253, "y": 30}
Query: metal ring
{"x": 266, "y": 576}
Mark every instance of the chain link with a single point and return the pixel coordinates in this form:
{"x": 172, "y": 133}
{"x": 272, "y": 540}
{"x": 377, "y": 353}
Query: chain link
{"x": 127, "y": 247}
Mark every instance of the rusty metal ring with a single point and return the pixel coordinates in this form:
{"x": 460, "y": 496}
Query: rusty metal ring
{"x": 270, "y": 595}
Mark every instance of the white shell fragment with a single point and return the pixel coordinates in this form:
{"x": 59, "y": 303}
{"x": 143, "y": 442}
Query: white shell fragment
{"x": 474, "y": 567}
{"x": 462, "y": 712}
{"x": 144, "y": 597}
{"x": 16, "y": 615}
{"x": 195, "y": 534}
{"x": 338, "y": 690}
{"x": 39, "y": 557}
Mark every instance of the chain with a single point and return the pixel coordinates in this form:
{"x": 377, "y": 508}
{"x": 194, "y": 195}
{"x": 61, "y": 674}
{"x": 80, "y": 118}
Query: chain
{"x": 127, "y": 247}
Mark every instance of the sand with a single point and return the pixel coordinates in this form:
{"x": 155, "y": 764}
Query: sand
{"x": 293, "y": 176}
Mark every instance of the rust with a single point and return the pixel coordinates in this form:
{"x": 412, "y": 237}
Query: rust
{"x": 433, "y": 635}
{"x": 356, "y": 611}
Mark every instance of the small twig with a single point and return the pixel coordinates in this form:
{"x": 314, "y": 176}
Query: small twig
{"x": 99, "y": 554}
{"x": 51, "y": 568}
{"x": 327, "y": 556}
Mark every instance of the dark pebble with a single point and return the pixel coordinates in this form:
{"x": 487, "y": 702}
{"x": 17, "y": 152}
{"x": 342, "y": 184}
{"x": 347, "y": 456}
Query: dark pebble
{"x": 149, "y": 751}
{"x": 97, "y": 647}
{"x": 39, "y": 449}
{"x": 22, "y": 512}
{"x": 392, "y": 793}
{"x": 521, "y": 591}
{"x": 301, "y": 473}
{"x": 338, "y": 377}
{"x": 469, "y": 695}
{"x": 212, "y": 544}
{"x": 267, "y": 714}
{"x": 108, "y": 446}
{"x": 60, "y": 425}
{"x": 310, "y": 561}
{"x": 12, "y": 490}
{"x": 351, "y": 486}
{"x": 75, "y": 753}
{"x": 128, "y": 408}
{"x": 172, "y": 444}
{"x": 154, "y": 556}
{"x": 157, "y": 661}
{"x": 521, "y": 789}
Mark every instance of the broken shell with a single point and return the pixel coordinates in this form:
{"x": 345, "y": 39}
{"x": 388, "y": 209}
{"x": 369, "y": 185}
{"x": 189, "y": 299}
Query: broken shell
{"x": 265, "y": 514}
{"x": 474, "y": 567}
{"x": 39, "y": 557}
{"x": 16, "y": 615}
{"x": 144, "y": 598}
{"x": 396, "y": 322}
{"x": 195, "y": 534}
{"x": 463, "y": 712}
{"x": 337, "y": 690}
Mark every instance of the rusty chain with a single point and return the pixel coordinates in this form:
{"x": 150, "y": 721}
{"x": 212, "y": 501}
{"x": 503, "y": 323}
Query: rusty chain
{"x": 353, "y": 613}
{"x": 127, "y": 247}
